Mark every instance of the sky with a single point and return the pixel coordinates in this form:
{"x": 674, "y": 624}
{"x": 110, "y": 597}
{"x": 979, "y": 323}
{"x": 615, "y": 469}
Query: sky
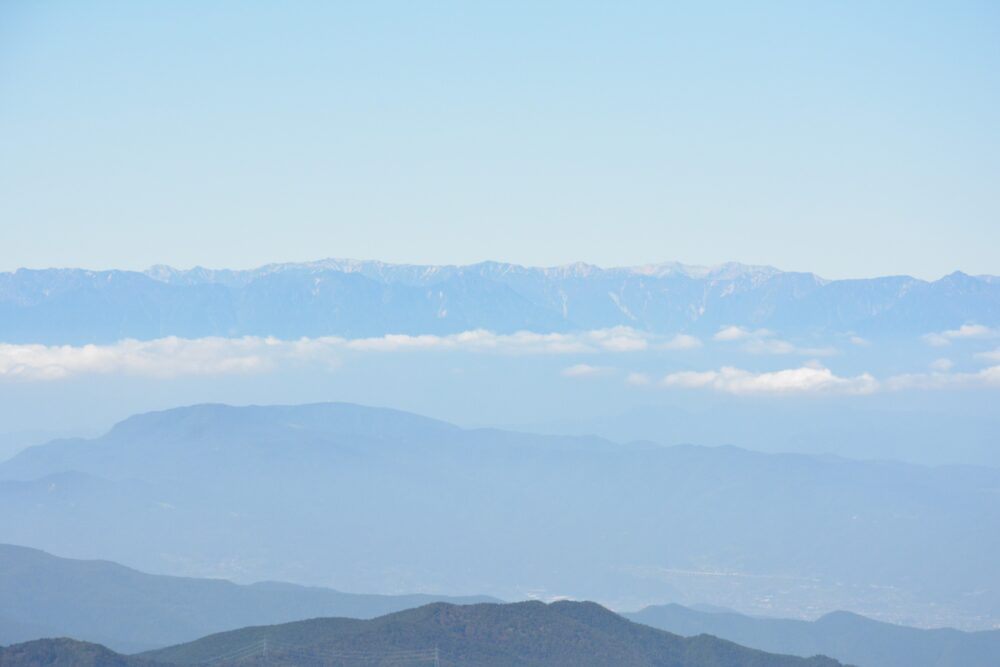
{"x": 850, "y": 139}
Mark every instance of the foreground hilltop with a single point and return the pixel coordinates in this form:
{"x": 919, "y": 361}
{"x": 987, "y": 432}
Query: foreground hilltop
{"x": 358, "y": 299}
{"x": 562, "y": 634}
{"x": 65, "y": 652}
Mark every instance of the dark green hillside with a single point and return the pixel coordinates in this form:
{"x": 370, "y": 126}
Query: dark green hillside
{"x": 527, "y": 634}
{"x": 66, "y": 653}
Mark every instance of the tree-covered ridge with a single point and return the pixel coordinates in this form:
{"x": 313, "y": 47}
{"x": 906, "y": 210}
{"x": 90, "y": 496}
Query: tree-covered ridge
{"x": 525, "y": 634}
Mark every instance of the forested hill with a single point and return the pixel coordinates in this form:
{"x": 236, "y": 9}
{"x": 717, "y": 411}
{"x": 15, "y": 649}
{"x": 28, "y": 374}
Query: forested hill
{"x": 526, "y": 634}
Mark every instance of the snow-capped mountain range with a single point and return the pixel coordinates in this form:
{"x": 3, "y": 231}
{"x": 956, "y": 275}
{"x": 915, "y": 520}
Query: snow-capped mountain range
{"x": 368, "y": 298}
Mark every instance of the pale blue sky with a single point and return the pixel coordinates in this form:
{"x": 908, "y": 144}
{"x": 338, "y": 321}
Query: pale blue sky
{"x": 849, "y": 138}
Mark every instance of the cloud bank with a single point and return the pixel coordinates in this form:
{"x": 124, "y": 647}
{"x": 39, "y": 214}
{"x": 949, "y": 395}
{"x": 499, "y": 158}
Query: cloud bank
{"x": 816, "y": 379}
{"x": 763, "y": 341}
{"x": 176, "y": 357}
{"x": 161, "y": 358}
{"x": 986, "y": 378}
{"x": 992, "y": 355}
{"x": 808, "y": 379}
{"x": 964, "y": 332}
{"x": 586, "y": 370}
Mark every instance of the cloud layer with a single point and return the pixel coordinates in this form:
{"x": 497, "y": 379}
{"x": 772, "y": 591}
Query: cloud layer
{"x": 161, "y": 358}
{"x": 178, "y": 357}
{"x": 803, "y": 380}
{"x": 175, "y": 357}
{"x": 986, "y": 378}
{"x": 764, "y": 341}
{"x": 964, "y": 332}
{"x": 586, "y": 370}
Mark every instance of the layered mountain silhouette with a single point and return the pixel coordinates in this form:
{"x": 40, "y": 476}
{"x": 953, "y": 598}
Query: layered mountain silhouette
{"x": 562, "y": 634}
{"x": 356, "y": 299}
{"x": 100, "y": 601}
{"x": 848, "y": 637}
{"x": 530, "y": 634}
{"x": 373, "y": 500}
{"x": 104, "y": 603}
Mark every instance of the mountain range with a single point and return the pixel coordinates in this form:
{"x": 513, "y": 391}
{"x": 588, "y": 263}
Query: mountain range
{"x": 100, "y": 601}
{"x": 368, "y": 497}
{"x": 43, "y": 596}
{"x": 367, "y": 298}
{"x": 848, "y": 637}
{"x": 810, "y": 427}
{"x": 527, "y": 634}
{"x": 560, "y": 634}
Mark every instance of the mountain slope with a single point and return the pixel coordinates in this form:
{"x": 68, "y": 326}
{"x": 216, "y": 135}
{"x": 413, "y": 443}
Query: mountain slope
{"x": 66, "y": 653}
{"x": 847, "y": 637}
{"x": 338, "y": 495}
{"x": 357, "y": 299}
{"x": 45, "y": 596}
{"x": 523, "y": 634}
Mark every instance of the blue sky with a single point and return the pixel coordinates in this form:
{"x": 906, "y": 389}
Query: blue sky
{"x": 850, "y": 139}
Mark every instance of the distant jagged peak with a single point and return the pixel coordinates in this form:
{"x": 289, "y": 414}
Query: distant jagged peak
{"x": 755, "y": 274}
{"x": 724, "y": 271}
{"x": 572, "y": 270}
{"x": 198, "y": 275}
{"x": 162, "y": 272}
{"x": 376, "y": 268}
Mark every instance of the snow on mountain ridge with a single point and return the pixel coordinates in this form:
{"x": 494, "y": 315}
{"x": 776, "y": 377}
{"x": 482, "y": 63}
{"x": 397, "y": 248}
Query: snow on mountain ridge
{"x": 389, "y": 272}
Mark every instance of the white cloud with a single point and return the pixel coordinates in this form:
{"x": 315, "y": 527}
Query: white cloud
{"x": 972, "y": 331}
{"x": 731, "y": 333}
{"x": 616, "y": 339}
{"x": 638, "y": 379}
{"x": 762, "y": 341}
{"x": 985, "y": 378}
{"x": 478, "y": 340}
{"x": 992, "y": 355}
{"x": 859, "y": 341}
{"x": 173, "y": 357}
{"x": 680, "y": 342}
{"x": 808, "y": 379}
{"x": 164, "y": 357}
{"x": 613, "y": 340}
{"x": 619, "y": 339}
{"x": 942, "y": 365}
{"x": 936, "y": 340}
{"x": 776, "y": 346}
{"x": 586, "y": 370}
{"x": 965, "y": 331}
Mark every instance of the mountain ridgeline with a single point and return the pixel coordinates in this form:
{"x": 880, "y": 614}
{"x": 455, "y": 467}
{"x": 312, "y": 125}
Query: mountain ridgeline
{"x": 528, "y": 634}
{"x": 358, "y": 299}
{"x": 369, "y": 496}
{"x": 845, "y": 636}
{"x": 128, "y": 611}
{"x": 103, "y": 602}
